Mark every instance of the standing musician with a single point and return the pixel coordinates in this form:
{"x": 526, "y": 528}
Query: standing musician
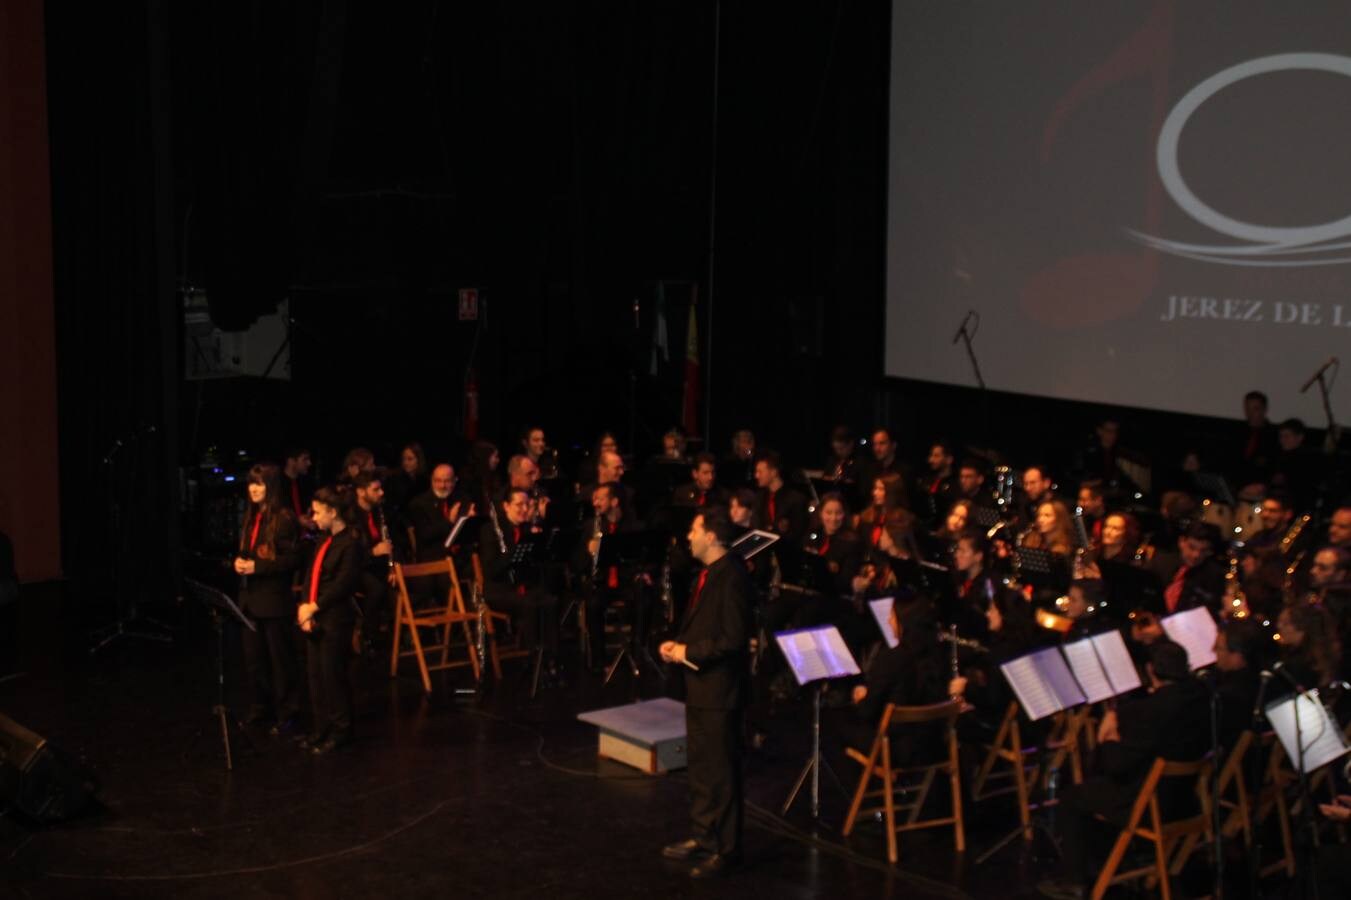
{"x": 518, "y": 590}
{"x": 1037, "y": 489}
{"x": 327, "y": 617}
{"x": 537, "y": 449}
{"x": 712, "y": 646}
{"x": 703, "y": 491}
{"x": 266, "y": 563}
{"x": 1094, "y": 504}
{"x": 971, "y": 483}
{"x": 372, "y": 530}
{"x": 609, "y": 517}
{"x": 357, "y": 460}
{"x": 295, "y": 484}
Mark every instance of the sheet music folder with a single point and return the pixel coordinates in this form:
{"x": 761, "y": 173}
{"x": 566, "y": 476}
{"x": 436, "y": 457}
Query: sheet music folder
{"x": 462, "y": 525}
{"x": 881, "y": 610}
{"x": 1195, "y": 630}
{"x": 1058, "y": 678}
{"x": 816, "y": 654}
{"x": 1323, "y": 740}
{"x": 753, "y": 542}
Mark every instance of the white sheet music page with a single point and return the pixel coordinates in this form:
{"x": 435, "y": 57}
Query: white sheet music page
{"x": 1195, "y": 630}
{"x": 1116, "y": 662}
{"x": 881, "y": 608}
{"x": 815, "y": 654}
{"x": 1025, "y": 675}
{"x": 1323, "y": 741}
{"x": 1088, "y": 670}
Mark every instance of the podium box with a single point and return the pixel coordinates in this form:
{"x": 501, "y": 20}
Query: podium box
{"x": 649, "y": 736}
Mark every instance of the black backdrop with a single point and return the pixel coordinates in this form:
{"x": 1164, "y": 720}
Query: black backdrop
{"x": 366, "y": 161}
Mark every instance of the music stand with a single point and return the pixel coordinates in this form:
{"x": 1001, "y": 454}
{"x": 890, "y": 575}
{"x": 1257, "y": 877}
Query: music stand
{"x": 221, "y": 607}
{"x": 753, "y": 543}
{"x": 1215, "y": 487}
{"x": 983, "y": 516}
{"x": 815, "y": 655}
{"x": 629, "y": 548}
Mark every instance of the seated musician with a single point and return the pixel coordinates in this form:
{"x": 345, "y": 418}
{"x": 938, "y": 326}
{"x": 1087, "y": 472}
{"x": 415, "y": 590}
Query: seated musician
{"x": 1010, "y": 632}
{"x": 604, "y": 586}
{"x": 537, "y": 449}
{"x": 1198, "y": 579}
{"x": 971, "y": 483}
{"x": 434, "y": 513}
{"x": 974, "y": 585}
{"x": 779, "y": 507}
{"x": 1330, "y": 579}
{"x": 1052, "y": 531}
{"x": 737, "y": 469}
{"x": 357, "y": 460}
{"x": 1118, "y": 537}
{"x": 1310, "y": 648}
{"x": 886, "y": 461}
{"x": 940, "y": 544}
{"x": 1278, "y": 514}
{"x": 841, "y": 467}
{"x": 886, "y": 520}
{"x": 840, "y": 547}
{"x": 1038, "y": 489}
{"x": 1093, "y": 502}
{"x": 518, "y": 589}
{"x": 913, "y": 673}
{"x": 1172, "y": 722}
{"x": 1083, "y": 603}
{"x": 1238, "y": 661}
{"x": 940, "y": 482}
{"x": 703, "y": 489}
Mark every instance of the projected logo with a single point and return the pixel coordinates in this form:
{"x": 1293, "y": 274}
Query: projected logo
{"x": 1261, "y": 245}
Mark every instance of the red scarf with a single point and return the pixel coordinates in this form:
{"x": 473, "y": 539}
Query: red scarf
{"x": 314, "y": 569}
{"x": 253, "y": 537}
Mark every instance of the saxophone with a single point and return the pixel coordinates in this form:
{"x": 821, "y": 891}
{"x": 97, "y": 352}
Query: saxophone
{"x": 1238, "y": 603}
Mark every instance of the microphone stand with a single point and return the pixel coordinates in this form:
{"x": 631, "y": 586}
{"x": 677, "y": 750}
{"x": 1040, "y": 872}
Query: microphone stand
{"x": 1334, "y": 435}
{"x": 965, "y": 335}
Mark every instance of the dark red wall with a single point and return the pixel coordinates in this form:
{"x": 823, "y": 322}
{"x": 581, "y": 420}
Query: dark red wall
{"x": 29, "y": 485}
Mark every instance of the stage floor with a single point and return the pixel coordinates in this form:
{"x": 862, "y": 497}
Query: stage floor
{"x": 498, "y": 796}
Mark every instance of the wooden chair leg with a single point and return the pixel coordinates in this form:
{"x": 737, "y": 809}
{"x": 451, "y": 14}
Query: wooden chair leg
{"x": 1109, "y": 868}
{"x": 863, "y": 782}
{"x": 421, "y": 662}
{"x": 1020, "y": 783}
{"x": 889, "y": 800}
{"x": 955, "y": 780}
{"x": 394, "y": 648}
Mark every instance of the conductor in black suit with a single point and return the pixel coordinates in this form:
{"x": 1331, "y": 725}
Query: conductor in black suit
{"x": 712, "y": 645}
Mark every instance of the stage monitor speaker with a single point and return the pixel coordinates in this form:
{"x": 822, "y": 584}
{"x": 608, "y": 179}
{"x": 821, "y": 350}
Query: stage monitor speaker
{"x": 35, "y": 779}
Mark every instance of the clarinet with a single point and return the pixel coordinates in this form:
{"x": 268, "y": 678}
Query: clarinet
{"x": 595, "y": 559}
{"x": 384, "y": 538}
{"x": 481, "y": 630}
{"x": 501, "y": 538}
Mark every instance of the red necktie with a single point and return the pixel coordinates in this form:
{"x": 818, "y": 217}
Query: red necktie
{"x": 1172, "y": 594}
{"x": 445, "y": 510}
{"x": 703, "y": 498}
{"x": 295, "y": 498}
{"x": 772, "y": 517}
{"x": 253, "y": 538}
{"x": 825, "y": 546}
{"x": 314, "y": 569}
{"x": 612, "y": 577}
{"x": 370, "y": 525}
{"x": 698, "y": 590}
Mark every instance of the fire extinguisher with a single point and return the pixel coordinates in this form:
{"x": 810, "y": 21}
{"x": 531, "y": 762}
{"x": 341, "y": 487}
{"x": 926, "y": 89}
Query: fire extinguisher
{"x": 471, "y": 406}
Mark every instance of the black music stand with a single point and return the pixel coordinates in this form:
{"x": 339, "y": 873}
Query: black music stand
{"x": 221, "y": 607}
{"x": 815, "y": 655}
{"x": 630, "y": 548}
{"x": 1216, "y": 488}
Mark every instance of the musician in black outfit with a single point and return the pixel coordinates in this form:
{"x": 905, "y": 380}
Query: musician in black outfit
{"x": 327, "y": 617}
{"x": 371, "y": 527}
{"x": 295, "y": 485}
{"x": 832, "y": 540}
{"x": 610, "y": 517}
{"x": 703, "y": 490}
{"x": 779, "y": 508}
{"x": 1238, "y": 663}
{"x": 518, "y": 590}
{"x": 712, "y": 642}
{"x": 433, "y": 514}
{"x": 266, "y": 563}
{"x": 1172, "y": 722}
{"x": 1192, "y": 576}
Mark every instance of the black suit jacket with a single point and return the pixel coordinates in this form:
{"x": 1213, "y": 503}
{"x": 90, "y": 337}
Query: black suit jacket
{"x": 267, "y": 593}
{"x": 790, "y": 515}
{"x": 716, "y": 633}
{"x": 430, "y": 525}
{"x": 1173, "y": 722}
{"x": 688, "y": 495}
{"x": 339, "y": 575}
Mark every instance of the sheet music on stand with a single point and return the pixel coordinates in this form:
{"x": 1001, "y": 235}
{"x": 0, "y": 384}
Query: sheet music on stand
{"x": 816, "y": 654}
{"x": 754, "y": 542}
{"x": 1195, "y": 630}
{"x": 985, "y": 517}
{"x": 1035, "y": 560}
{"x": 1102, "y": 665}
{"x": 456, "y": 529}
{"x": 1323, "y": 740}
{"x": 1043, "y": 683}
{"x": 881, "y": 609}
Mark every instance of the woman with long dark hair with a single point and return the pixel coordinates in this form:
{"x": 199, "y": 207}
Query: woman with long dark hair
{"x": 327, "y": 616}
{"x": 266, "y": 562}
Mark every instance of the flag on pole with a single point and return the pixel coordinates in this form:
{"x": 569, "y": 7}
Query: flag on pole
{"x": 689, "y": 413}
{"x": 660, "y": 347}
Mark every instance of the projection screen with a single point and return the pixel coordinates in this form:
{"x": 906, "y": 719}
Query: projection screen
{"x": 1145, "y": 204}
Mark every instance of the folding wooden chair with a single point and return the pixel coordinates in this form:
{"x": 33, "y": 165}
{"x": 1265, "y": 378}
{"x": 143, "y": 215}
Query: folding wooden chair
{"x": 1277, "y": 777}
{"x": 1233, "y": 777}
{"x": 1173, "y": 840}
{"x": 877, "y": 764}
{"x": 1011, "y": 767}
{"x": 442, "y": 617}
